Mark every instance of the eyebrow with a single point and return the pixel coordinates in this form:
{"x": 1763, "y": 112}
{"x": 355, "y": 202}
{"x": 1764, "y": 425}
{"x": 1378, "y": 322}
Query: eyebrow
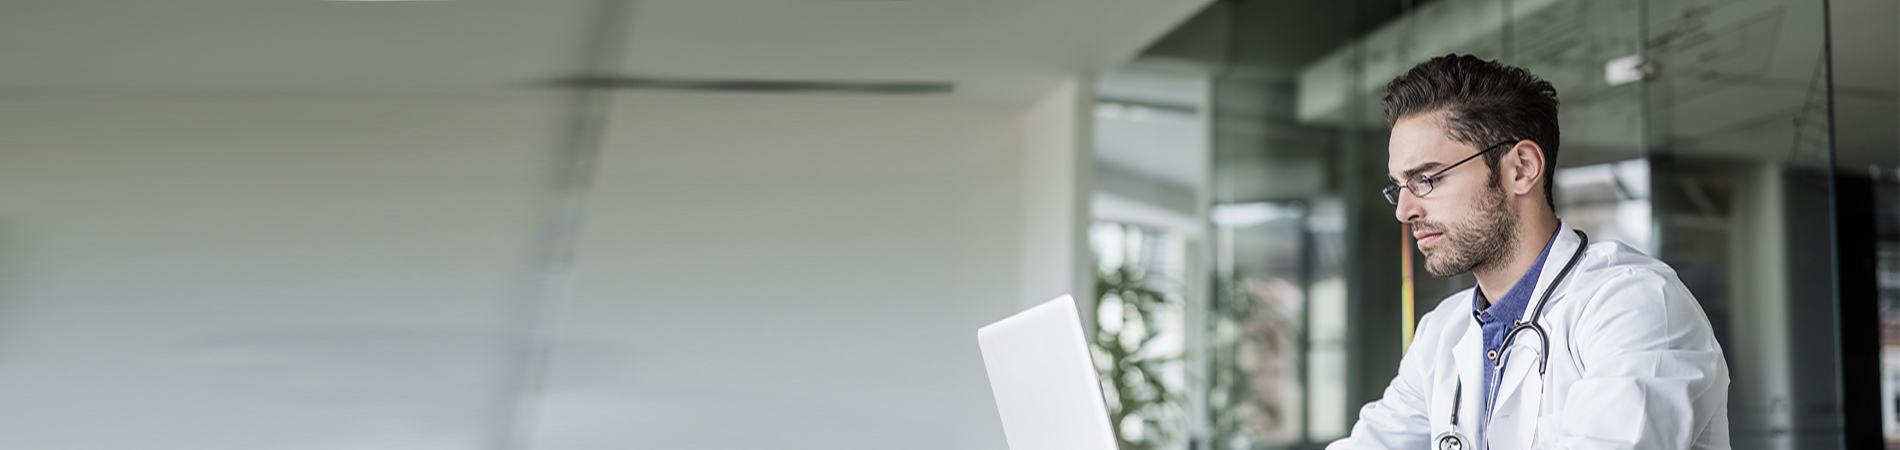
{"x": 1415, "y": 170}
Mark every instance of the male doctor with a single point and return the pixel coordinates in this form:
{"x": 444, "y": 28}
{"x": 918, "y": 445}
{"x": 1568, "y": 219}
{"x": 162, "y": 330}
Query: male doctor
{"x": 1565, "y": 343}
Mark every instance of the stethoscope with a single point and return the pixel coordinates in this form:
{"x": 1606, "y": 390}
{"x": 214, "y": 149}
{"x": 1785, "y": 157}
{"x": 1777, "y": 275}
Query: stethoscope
{"x": 1453, "y": 440}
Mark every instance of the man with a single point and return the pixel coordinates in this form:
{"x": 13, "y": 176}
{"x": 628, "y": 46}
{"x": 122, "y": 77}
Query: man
{"x": 1619, "y": 356}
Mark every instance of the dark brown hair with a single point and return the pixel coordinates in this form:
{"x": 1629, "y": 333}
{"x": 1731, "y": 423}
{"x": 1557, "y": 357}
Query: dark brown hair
{"x": 1485, "y": 103}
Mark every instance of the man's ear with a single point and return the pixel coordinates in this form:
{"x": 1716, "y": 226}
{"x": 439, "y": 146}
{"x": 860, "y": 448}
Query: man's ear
{"x": 1529, "y": 165}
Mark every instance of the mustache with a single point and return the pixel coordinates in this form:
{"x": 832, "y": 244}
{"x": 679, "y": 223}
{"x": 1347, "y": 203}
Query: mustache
{"x": 1427, "y": 227}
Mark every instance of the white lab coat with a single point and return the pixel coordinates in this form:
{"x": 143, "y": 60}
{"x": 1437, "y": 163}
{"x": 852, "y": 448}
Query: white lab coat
{"x": 1633, "y": 365}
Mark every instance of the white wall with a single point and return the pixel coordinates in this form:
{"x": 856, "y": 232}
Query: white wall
{"x": 791, "y": 273}
{"x": 258, "y": 272}
{"x": 332, "y": 272}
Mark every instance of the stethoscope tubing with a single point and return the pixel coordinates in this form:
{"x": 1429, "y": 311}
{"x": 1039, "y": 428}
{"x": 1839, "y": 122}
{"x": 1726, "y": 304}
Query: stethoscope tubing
{"x": 1510, "y": 338}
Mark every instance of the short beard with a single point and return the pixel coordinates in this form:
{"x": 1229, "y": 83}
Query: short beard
{"x": 1480, "y": 243}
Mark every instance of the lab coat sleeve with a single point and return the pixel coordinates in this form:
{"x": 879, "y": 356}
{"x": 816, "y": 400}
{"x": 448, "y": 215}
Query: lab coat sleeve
{"x": 1397, "y": 420}
{"x": 1652, "y": 373}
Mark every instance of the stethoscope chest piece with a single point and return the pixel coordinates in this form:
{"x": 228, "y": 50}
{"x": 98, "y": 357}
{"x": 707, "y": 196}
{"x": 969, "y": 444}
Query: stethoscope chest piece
{"x": 1451, "y": 440}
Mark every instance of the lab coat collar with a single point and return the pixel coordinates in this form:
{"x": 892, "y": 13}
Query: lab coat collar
{"x": 1560, "y": 253}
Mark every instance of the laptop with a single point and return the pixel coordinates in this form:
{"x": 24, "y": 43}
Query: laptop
{"x": 1044, "y": 380}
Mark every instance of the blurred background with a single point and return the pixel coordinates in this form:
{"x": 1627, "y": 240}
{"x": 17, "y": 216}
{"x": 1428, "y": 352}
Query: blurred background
{"x": 709, "y": 224}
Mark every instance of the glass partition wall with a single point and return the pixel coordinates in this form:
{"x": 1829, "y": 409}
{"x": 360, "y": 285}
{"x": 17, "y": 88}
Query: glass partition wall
{"x": 1695, "y": 131}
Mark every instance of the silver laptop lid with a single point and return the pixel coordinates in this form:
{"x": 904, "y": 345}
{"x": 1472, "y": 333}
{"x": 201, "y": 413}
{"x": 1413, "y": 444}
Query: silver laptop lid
{"x": 1044, "y": 380}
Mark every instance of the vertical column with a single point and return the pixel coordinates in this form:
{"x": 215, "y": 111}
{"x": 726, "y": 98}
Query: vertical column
{"x": 1057, "y": 183}
{"x": 1759, "y": 398}
{"x": 528, "y": 340}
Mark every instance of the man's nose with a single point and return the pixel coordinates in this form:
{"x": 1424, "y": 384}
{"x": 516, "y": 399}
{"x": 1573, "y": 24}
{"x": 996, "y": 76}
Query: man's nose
{"x": 1408, "y": 208}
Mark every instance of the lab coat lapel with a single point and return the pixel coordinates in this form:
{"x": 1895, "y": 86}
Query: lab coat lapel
{"x": 1519, "y": 396}
{"x": 1520, "y": 386}
{"x": 1468, "y": 359}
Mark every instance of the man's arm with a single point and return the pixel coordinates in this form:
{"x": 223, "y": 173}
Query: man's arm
{"x": 1398, "y": 419}
{"x": 1653, "y": 376}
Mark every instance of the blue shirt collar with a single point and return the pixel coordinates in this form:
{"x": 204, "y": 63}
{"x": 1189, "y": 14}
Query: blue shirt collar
{"x": 1512, "y": 305}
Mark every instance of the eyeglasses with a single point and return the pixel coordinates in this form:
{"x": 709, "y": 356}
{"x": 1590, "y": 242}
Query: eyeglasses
{"x": 1422, "y": 185}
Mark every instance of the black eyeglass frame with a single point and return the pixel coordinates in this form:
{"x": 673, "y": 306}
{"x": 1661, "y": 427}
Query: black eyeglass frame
{"x": 1392, "y": 192}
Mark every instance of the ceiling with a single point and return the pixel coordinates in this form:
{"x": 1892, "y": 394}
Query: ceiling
{"x": 1148, "y": 123}
{"x": 992, "y": 50}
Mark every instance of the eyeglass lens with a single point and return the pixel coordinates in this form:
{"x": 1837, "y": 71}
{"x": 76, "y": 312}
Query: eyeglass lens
{"x": 1419, "y": 185}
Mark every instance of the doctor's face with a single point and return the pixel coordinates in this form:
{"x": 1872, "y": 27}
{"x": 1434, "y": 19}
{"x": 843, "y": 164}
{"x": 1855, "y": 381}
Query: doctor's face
{"x": 1463, "y": 222}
